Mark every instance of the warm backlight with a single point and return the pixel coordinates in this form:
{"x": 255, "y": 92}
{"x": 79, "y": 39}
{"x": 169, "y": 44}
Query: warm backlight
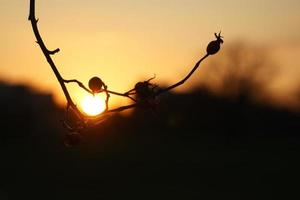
{"x": 93, "y": 105}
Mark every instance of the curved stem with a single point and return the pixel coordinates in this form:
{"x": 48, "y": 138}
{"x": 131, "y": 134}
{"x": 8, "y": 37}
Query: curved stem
{"x": 185, "y": 79}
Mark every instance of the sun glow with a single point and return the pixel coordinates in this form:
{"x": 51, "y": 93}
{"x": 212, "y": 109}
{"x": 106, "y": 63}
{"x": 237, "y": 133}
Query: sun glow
{"x": 93, "y": 105}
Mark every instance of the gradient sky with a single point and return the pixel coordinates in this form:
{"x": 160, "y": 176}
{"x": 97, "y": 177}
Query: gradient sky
{"x": 123, "y": 41}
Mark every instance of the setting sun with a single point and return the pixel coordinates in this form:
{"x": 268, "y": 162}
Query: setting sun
{"x": 93, "y": 105}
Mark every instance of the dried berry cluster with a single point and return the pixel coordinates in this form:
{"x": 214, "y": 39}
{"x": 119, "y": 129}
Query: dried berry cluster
{"x": 144, "y": 94}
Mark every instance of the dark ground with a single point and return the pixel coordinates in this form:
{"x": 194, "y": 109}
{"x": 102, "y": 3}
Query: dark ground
{"x": 196, "y": 145}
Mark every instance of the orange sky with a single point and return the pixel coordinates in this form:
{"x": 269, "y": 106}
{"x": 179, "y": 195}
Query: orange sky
{"x": 123, "y": 41}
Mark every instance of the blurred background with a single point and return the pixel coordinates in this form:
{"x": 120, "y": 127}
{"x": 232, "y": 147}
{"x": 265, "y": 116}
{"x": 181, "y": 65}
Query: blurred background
{"x": 232, "y": 130}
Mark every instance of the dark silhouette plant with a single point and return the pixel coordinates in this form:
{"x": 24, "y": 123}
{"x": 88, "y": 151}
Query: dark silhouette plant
{"x": 144, "y": 94}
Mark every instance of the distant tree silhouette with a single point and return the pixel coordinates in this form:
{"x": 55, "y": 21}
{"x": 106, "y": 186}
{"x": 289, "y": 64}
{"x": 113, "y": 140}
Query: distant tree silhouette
{"x": 239, "y": 73}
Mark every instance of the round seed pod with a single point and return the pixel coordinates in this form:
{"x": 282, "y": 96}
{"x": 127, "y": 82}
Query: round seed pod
{"x": 214, "y": 46}
{"x": 142, "y": 90}
{"x": 95, "y": 84}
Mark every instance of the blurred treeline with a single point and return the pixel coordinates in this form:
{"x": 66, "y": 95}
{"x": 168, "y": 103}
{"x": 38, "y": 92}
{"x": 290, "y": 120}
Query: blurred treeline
{"x": 224, "y": 139}
{"x": 194, "y": 145}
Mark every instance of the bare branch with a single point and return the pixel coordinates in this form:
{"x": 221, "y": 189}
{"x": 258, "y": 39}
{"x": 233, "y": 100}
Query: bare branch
{"x": 185, "y": 79}
{"x": 130, "y": 92}
{"x": 126, "y": 94}
{"x": 122, "y": 108}
{"x": 48, "y": 54}
{"x": 79, "y": 84}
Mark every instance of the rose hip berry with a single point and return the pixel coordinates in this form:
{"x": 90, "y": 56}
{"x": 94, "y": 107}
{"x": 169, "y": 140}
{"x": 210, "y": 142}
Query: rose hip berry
{"x": 95, "y": 84}
{"x": 214, "y": 46}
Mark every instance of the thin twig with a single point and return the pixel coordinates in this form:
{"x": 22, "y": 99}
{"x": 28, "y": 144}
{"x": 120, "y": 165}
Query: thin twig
{"x": 79, "y": 84}
{"x": 183, "y": 80}
{"x": 107, "y": 98}
{"x": 122, "y": 108}
{"x": 122, "y": 94}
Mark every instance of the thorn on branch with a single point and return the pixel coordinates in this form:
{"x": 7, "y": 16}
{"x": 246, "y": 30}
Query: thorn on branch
{"x": 54, "y": 51}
